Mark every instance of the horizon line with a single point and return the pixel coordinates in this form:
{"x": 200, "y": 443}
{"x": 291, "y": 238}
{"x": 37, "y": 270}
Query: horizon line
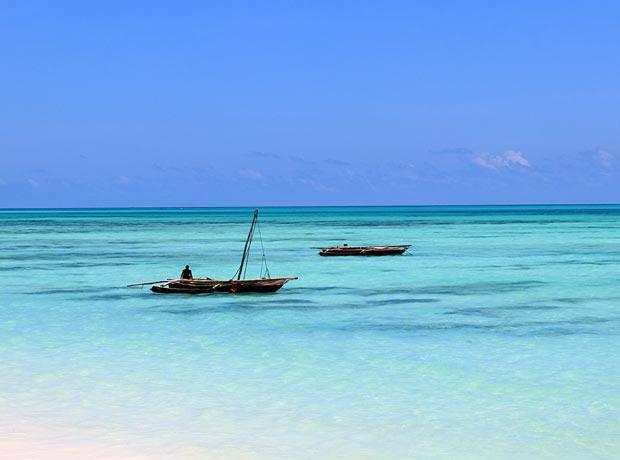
{"x": 77, "y": 208}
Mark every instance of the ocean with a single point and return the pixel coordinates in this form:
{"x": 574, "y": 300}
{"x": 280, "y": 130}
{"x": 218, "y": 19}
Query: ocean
{"x": 496, "y": 336}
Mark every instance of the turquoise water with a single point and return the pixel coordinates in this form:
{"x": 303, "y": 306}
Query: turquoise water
{"x": 496, "y": 337}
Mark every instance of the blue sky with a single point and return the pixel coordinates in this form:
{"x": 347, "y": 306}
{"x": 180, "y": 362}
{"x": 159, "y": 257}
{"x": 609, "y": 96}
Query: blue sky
{"x": 308, "y": 103}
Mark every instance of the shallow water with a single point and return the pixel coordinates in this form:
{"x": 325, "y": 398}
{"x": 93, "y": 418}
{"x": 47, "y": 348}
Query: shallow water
{"x": 497, "y": 336}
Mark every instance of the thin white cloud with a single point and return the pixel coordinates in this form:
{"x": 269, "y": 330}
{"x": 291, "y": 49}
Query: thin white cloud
{"x": 33, "y": 183}
{"x": 409, "y": 172}
{"x": 514, "y": 157}
{"x": 496, "y": 162}
{"x": 259, "y": 154}
{"x": 336, "y": 162}
{"x": 251, "y": 174}
{"x": 452, "y": 151}
{"x": 124, "y": 180}
{"x": 604, "y": 157}
{"x": 596, "y": 158}
{"x": 318, "y": 186}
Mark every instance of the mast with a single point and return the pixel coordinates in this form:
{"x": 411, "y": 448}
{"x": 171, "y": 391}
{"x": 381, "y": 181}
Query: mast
{"x": 246, "y": 248}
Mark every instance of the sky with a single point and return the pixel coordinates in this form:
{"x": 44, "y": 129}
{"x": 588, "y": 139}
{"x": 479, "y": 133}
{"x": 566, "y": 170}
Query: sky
{"x": 198, "y": 103}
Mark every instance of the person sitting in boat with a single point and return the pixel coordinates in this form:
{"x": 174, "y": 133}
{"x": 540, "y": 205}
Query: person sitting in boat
{"x": 186, "y": 274}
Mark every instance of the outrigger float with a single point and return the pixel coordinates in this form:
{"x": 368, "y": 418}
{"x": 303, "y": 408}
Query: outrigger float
{"x": 346, "y": 250}
{"x": 238, "y": 283}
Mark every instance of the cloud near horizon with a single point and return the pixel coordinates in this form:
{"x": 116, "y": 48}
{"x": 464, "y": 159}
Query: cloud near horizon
{"x": 455, "y": 176}
{"x": 605, "y": 158}
{"x": 251, "y": 174}
{"x": 509, "y": 159}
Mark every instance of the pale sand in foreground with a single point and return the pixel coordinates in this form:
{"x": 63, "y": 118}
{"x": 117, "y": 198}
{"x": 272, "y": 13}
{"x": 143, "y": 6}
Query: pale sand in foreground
{"x": 19, "y": 442}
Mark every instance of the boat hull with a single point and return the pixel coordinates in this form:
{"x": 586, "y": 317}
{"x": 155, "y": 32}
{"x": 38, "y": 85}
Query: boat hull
{"x": 163, "y": 289}
{"x": 205, "y": 286}
{"x": 336, "y": 251}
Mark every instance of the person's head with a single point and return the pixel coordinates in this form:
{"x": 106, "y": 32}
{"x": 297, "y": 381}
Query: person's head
{"x": 187, "y": 267}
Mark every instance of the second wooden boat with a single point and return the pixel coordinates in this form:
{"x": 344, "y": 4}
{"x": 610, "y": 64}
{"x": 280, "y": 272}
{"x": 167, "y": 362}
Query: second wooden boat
{"x": 346, "y": 250}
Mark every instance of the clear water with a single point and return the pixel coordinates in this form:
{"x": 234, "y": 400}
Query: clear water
{"x": 496, "y": 337}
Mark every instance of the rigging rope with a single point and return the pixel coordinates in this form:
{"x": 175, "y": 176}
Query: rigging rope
{"x": 263, "y": 261}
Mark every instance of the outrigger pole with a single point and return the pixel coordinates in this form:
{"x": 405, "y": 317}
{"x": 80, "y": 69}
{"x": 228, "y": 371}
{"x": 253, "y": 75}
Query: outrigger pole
{"x": 151, "y": 282}
{"x": 246, "y": 248}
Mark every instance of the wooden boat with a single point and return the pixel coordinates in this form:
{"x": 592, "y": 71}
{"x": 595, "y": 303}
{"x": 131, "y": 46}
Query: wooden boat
{"x": 205, "y": 286}
{"x": 237, "y": 284}
{"x": 346, "y": 250}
